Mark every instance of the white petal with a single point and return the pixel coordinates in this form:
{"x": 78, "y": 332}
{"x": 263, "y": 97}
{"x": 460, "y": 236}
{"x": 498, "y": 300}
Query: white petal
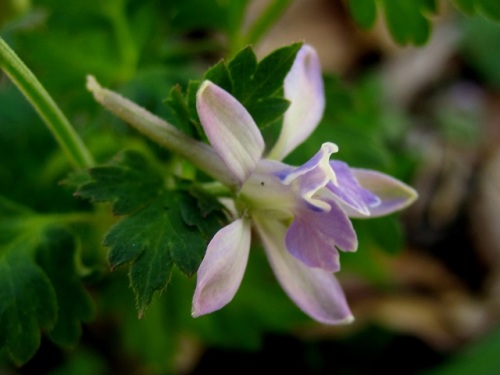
{"x": 230, "y": 129}
{"x": 304, "y": 88}
{"x": 394, "y": 195}
{"x": 222, "y": 269}
{"x": 315, "y": 291}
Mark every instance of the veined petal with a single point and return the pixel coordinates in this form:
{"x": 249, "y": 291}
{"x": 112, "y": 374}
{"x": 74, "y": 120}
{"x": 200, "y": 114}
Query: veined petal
{"x": 222, "y": 269}
{"x": 313, "y": 175}
{"x": 304, "y": 88}
{"x": 394, "y": 195}
{"x": 315, "y": 291}
{"x": 313, "y": 236}
{"x": 349, "y": 192}
{"x": 230, "y": 129}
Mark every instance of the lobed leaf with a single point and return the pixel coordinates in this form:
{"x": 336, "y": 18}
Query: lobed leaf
{"x": 127, "y": 182}
{"x": 257, "y": 85}
{"x": 162, "y": 227}
{"x": 242, "y": 68}
{"x": 155, "y": 238}
{"x": 40, "y": 289}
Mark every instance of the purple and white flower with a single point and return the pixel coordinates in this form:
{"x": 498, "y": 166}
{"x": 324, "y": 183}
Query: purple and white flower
{"x": 301, "y": 214}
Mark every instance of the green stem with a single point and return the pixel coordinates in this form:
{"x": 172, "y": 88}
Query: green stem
{"x": 58, "y": 124}
{"x": 267, "y": 19}
{"x": 127, "y": 49}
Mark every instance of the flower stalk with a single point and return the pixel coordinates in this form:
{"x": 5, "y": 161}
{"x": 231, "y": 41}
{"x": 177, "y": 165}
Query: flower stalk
{"x": 65, "y": 135}
{"x": 163, "y": 133}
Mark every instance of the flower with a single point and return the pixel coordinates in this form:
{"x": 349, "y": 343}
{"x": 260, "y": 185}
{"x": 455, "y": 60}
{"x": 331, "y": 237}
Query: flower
{"x": 301, "y": 214}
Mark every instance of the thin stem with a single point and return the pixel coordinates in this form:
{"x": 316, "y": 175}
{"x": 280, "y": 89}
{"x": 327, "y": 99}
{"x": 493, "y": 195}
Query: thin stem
{"x": 58, "y": 124}
{"x": 267, "y": 19}
{"x": 200, "y": 154}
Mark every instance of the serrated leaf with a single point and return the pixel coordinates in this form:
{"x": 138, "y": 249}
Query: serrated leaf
{"x": 180, "y": 110}
{"x": 77, "y": 178}
{"x": 364, "y": 12}
{"x": 220, "y": 75}
{"x": 267, "y": 110}
{"x": 191, "y": 99}
{"x": 128, "y": 182}
{"x": 258, "y": 85}
{"x": 152, "y": 240}
{"x": 271, "y": 72}
{"x": 203, "y": 211}
{"x": 242, "y": 68}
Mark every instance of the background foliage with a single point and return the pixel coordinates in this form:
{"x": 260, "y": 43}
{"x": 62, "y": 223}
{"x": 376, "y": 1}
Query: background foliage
{"x": 77, "y": 296}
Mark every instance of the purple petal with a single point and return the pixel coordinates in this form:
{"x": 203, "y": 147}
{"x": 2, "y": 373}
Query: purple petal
{"x": 315, "y": 291}
{"x": 312, "y": 176}
{"x": 314, "y": 235}
{"x": 230, "y": 129}
{"x": 394, "y": 195}
{"x": 304, "y": 88}
{"x": 222, "y": 269}
{"x": 348, "y": 190}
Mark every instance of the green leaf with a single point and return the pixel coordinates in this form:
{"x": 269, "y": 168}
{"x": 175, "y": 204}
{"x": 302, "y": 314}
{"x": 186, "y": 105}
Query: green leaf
{"x": 488, "y": 8}
{"x": 479, "y": 48}
{"x": 28, "y": 300}
{"x": 39, "y": 287}
{"x": 242, "y": 68}
{"x": 163, "y": 227}
{"x": 220, "y": 75}
{"x": 258, "y": 86}
{"x": 179, "y": 107}
{"x": 364, "y": 12}
{"x": 57, "y": 256}
{"x": 407, "y": 20}
{"x": 265, "y": 111}
{"x": 155, "y": 238}
{"x": 127, "y": 181}
{"x": 271, "y": 73}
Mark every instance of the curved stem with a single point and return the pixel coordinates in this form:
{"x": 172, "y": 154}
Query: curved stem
{"x": 58, "y": 124}
{"x": 266, "y": 20}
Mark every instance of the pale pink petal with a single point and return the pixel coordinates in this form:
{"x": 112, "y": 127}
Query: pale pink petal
{"x": 315, "y": 291}
{"x": 222, "y": 269}
{"x": 314, "y": 236}
{"x": 313, "y": 175}
{"x": 304, "y": 88}
{"x": 230, "y": 129}
{"x": 394, "y": 195}
{"x": 348, "y": 191}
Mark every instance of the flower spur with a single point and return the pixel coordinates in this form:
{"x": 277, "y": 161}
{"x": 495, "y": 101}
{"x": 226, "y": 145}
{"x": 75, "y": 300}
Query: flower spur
{"x": 300, "y": 213}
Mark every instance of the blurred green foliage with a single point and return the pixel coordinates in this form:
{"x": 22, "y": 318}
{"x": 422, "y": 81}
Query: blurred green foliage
{"x": 410, "y": 21}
